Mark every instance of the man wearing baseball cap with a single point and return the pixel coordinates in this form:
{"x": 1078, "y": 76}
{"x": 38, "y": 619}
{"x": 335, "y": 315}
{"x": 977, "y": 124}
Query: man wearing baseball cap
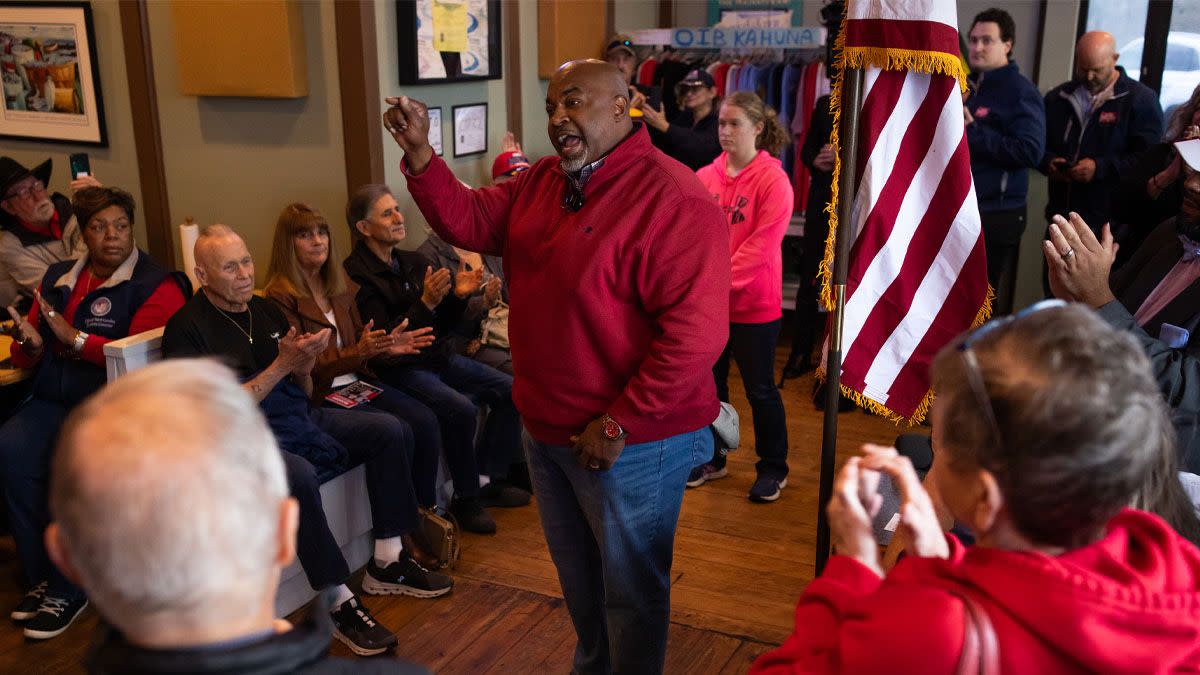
{"x": 620, "y": 53}
{"x": 1155, "y": 296}
{"x": 37, "y": 228}
{"x": 691, "y": 137}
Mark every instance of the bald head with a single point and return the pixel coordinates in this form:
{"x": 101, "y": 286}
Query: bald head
{"x": 1096, "y": 60}
{"x": 224, "y": 268}
{"x": 587, "y": 104}
{"x": 196, "y": 517}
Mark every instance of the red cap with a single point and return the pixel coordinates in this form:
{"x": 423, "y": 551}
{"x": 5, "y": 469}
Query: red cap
{"x": 509, "y": 163}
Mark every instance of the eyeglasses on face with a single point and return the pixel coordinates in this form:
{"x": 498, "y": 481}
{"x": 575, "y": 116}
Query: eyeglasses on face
{"x": 37, "y": 187}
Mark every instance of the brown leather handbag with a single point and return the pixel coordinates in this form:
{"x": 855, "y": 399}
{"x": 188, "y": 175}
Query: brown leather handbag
{"x": 981, "y": 648}
{"x": 441, "y": 531}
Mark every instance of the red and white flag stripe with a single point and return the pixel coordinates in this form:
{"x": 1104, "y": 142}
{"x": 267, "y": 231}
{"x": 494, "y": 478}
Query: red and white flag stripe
{"x": 917, "y": 270}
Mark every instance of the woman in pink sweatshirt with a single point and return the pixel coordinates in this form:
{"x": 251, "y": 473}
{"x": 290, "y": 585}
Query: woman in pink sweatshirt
{"x": 756, "y": 195}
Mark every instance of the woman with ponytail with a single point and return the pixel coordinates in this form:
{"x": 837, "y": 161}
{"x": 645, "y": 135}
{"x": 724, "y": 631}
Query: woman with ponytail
{"x": 756, "y": 194}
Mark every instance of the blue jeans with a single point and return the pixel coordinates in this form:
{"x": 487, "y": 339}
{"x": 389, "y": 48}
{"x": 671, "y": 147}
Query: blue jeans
{"x": 26, "y": 448}
{"x": 611, "y": 535}
{"x": 752, "y": 345}
{"x": 454, "y": 393}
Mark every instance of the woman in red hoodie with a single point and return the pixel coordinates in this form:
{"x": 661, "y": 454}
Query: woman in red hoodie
{"x": 1047, "y": 427}
{"x": 756, "y": 195}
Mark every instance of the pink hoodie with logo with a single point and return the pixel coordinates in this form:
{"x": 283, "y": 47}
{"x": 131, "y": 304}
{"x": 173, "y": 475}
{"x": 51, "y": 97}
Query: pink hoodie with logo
{"x": 758, "y": 206}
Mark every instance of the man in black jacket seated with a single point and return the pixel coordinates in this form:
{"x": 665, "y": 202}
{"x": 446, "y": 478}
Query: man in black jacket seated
{"x": 395, "y": 285}
{"x": 185, "y": 561}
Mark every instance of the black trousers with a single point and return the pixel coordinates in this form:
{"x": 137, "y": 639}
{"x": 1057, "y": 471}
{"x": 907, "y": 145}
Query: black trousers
{"x": 1002, "y": 232}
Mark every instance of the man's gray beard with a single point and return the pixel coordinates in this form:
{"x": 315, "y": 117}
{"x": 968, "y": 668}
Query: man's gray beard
{"x": 572, "y": 165}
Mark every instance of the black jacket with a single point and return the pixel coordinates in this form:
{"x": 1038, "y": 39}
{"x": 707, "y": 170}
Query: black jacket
{"x": 300, "y": 650}
{"x": 1114, "y": 135}
{"x": 388, "y": 296}
{"x": 695, "y": 145}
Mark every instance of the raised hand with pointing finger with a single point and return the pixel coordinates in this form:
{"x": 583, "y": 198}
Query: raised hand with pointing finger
{"x": 407, "y": 120}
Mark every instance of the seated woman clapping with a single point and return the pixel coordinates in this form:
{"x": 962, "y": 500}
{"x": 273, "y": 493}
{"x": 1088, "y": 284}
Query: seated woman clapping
{"x": 314, "y": 294}
{"x": 1047, "y": 427}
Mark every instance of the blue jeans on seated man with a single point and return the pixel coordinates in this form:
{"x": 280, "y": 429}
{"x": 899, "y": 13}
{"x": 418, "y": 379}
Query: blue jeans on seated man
{"x": 454, "y": 393}
{"x": 26, "y": 449}
{"x": 385, "y": 444}
{"x": 611, "y": 535}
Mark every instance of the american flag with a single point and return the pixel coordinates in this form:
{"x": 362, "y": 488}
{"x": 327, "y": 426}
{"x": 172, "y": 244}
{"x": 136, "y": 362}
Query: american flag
{"x": 917, "y": 270}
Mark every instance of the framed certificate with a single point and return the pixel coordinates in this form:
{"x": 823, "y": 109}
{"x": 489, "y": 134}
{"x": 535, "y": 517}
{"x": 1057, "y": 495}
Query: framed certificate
{"x": 435, "y": 129}
{"x": 470, "y": 129}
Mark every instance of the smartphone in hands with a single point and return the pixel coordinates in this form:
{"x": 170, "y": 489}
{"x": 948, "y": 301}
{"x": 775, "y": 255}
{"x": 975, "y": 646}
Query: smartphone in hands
{"x": 80, "y": 165}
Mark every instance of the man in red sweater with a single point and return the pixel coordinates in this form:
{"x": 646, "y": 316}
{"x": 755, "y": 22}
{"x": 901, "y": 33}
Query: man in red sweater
{"x": 618, "y": 272}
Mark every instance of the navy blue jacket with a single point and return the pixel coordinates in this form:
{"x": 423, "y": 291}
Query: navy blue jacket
{"x": 1115, "y": 135}
{"x": 107, "y": 311}
{"x": 1007, "y": 138}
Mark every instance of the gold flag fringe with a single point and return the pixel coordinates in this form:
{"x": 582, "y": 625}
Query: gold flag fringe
{"x": 886, "y": 59}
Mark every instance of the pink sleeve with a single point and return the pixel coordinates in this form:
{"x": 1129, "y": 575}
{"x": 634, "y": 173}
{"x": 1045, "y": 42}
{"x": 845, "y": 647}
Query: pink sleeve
{"x": 771, "y": 217}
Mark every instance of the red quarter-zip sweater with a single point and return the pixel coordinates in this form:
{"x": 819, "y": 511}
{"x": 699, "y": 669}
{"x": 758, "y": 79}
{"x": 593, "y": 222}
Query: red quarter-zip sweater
{"x": 622, "y": 307}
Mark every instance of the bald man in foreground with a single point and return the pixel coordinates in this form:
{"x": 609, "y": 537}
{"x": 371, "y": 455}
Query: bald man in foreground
{"x": 618, "y": 269}
{"x": 1097, "y": 126}
{"x": 186, "y": 560}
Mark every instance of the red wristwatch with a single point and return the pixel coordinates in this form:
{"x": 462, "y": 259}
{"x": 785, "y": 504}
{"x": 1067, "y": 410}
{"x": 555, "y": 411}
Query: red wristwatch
{"x": 612, "y": 430}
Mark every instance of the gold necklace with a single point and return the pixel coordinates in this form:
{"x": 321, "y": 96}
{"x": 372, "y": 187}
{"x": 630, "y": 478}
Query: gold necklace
{"x": 250, "y": 335}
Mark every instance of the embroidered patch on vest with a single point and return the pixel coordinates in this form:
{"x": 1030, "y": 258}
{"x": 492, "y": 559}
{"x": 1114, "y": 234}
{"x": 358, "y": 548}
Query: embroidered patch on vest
{"x": 101, "y": 306}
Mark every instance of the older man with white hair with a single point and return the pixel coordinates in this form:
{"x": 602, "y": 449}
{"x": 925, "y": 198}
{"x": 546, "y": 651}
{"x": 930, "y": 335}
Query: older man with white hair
{"x": 197, "y": 526}
{"x": 274, "y": 362}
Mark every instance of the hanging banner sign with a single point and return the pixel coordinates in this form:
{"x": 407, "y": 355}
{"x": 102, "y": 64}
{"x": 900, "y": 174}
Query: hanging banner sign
{"x": 747, "y": 37}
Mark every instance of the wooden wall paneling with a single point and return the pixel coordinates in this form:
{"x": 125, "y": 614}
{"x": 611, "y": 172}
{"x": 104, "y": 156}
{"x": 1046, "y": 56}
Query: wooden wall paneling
{"x": 362, "y": 105}
{"x": 568, "y": 31}
{"x": 147, "y": 135}
{"x": 511, "y": 18}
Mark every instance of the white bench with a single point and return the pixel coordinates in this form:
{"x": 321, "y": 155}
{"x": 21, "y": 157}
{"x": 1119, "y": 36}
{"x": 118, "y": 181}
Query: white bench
{"x": 345, "y": 497}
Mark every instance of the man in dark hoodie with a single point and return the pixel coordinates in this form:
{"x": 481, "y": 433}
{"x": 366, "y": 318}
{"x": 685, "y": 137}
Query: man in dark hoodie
{"x": 188, "y": 585}
{"x": 1006, "y": 132}
{"x": 1097, "y": 126}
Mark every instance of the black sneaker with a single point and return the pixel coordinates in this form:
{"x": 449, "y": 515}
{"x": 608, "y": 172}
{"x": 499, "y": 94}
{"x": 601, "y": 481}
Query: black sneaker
{"x": 405, "y": 577}
{"x": 501, "y": 494}
{"x": 358, "y": 630}
{"x": 471, "y": 516}
{"x": 28, "y": 607}
{"x": 53, "y": 616}
{"x": 767, "y": 489}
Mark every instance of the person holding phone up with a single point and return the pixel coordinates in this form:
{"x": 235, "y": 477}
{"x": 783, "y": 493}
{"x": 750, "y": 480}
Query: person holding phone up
{"x": 37, "y": 228}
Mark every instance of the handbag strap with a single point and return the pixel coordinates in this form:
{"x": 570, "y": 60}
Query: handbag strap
{"x": 981, "y": 648}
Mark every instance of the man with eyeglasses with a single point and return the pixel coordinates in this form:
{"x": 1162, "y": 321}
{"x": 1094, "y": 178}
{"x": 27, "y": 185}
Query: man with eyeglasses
{"x": 37, "y": 228}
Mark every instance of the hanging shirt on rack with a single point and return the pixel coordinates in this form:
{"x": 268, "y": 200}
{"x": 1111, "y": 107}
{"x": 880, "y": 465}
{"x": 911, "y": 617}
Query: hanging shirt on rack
{"x": 731, "y": 78}
{"x": 720, "y": 77}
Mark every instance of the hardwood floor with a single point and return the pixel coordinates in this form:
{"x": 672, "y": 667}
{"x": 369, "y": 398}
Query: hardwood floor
{"x": 738, "y": 569}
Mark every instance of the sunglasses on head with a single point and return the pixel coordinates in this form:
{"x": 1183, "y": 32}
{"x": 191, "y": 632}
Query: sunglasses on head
{"x": 619, "y": 43}
{"x": 975, "y": 377}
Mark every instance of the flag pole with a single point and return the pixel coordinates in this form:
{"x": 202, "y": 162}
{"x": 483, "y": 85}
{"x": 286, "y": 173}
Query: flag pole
{"x": 848, "y": 134}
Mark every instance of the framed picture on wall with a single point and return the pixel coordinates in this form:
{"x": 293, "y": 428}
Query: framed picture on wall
{"x": 435, "y": 129}
{"x": 448, "y": 40}
{"x": 51, "y": 79}
{"x": 470, "y": 129}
